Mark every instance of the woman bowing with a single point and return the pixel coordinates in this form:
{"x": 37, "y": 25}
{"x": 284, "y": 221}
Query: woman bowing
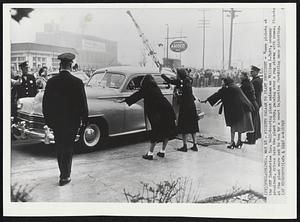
{"x": 159, "y": 112}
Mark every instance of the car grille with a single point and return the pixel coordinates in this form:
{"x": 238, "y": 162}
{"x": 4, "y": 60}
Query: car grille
{"x": 32, "y": 122}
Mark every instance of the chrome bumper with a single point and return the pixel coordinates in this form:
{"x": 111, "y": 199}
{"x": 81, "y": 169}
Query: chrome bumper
{"x": 21, "y": 131}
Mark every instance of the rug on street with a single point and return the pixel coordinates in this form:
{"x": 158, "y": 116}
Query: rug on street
{"x": 240, "y": 196}
{"x": 206, "y": 141}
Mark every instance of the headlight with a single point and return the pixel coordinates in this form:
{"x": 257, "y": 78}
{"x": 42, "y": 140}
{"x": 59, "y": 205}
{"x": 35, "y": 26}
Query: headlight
{"x": 19, "y": 105}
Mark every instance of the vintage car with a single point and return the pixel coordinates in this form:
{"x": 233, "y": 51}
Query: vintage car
{"x": 107, "y": 117}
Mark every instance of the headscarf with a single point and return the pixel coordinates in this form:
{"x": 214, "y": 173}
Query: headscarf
{"x": 148, "y": 82}
{"x": 182, "y": 73}
{"x": 228, "y": 81}
{"x": 246, "y": 77}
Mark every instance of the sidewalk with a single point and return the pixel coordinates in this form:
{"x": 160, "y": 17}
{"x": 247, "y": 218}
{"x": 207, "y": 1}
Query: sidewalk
{"x": 101, "y": 176}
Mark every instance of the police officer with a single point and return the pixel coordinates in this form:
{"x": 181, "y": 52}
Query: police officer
{"x": 257, "y": 84}
{"x": 64, "y": 107}
{"x": 28, "y": 87}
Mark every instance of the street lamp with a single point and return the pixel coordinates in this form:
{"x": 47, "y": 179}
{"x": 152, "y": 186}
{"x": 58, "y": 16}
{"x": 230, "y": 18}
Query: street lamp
{"x": 167, "y": 41}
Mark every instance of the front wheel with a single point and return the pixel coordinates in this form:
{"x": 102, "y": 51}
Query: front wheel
{"x": 93, "y": 136}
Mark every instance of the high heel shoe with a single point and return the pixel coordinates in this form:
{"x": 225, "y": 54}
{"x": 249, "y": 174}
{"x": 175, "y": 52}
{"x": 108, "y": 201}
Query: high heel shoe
{"x": 239, "y": 144}
{"x": 183, "y": 149}
{"x": 231, "y": 145}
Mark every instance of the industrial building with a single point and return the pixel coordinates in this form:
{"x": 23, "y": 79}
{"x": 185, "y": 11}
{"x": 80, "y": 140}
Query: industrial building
{"x": 37, "y": 55}
{"x": 93, "y": 52}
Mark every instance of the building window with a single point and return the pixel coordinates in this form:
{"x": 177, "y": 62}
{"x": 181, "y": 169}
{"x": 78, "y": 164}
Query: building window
{"x": 21, "y": 59}
{"x": 34, "y": 58}
{"x": 43, "y": 59}
{"x": 13, "y": 59}
{"x": 39, "y": 59}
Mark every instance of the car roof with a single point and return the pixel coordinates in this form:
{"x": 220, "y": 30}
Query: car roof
{"x": 73, "y": 73}
{"x": 131, "y": 70}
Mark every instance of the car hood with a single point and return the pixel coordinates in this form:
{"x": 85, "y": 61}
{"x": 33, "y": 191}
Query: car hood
{"x": 33, "y": 105}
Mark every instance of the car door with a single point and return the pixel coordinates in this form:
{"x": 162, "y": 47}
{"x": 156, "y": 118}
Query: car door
{"x": 134, "y": 114}
{"x": 103, "y": 94}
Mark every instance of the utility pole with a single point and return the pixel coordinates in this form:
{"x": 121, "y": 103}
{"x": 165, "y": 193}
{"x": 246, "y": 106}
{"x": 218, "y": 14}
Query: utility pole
{"x": 232, "y": 16}
{"x": 223, "y": 39}
{"x": 167, "y": 41}
{"x": 203, "y": 24}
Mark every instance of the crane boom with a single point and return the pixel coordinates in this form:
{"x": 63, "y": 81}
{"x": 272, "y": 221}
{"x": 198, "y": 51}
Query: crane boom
{"x": 146, "y": 42}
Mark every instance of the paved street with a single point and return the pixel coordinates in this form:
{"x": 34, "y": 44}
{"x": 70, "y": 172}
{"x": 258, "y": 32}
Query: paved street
{"x": 101, "y": 176}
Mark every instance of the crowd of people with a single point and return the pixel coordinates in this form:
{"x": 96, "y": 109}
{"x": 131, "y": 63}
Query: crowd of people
{"x": 213, "y": 77}
{"x": 240, "y": 104}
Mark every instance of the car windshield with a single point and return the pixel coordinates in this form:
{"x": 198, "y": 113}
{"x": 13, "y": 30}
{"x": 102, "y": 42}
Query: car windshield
{"x": 81, "y": 76}
{"x": 107, "y": 80}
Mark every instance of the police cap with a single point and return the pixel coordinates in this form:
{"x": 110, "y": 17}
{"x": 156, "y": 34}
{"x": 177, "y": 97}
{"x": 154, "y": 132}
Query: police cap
{"x": 67, "y": 57}
{"x": 23, "y": 64}
{"x": 254, "y": 68}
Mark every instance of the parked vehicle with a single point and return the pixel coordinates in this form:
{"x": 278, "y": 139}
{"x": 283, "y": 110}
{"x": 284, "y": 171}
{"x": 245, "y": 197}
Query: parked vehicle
{"x": 107, "y": 117}
{"x": 79, "y": 74}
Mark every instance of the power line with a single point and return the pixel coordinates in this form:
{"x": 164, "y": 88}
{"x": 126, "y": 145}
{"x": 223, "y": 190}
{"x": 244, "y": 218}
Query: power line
{"x": 203, "y": 23}
{"x": 232, "y": 14}
{"x": 223, "y": 39}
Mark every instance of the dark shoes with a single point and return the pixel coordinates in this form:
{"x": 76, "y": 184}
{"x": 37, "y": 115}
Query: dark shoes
{"x": 239, "y": 144}
{"x": 162, "y": 155}
{"x": 231, "y": 145}
{"x": 148, "y": 157}
{"x": 183, "y": 149}
{"x": 64, "y": 181}
{"x": 194, "y": 148}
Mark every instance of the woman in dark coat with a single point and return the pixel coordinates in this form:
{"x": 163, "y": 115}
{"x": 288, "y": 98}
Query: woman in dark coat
{"x": 237, "y": 109}
{"x": 187, "y": 118}
{"x": 248, "y": 89}
{"x": 159, "y": 112}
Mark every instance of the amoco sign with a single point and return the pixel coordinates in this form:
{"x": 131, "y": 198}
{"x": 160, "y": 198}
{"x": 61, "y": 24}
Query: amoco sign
{"x": 178, "y": 46}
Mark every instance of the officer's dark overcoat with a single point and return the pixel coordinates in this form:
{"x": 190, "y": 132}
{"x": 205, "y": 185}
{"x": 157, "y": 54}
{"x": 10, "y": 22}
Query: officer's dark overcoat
{"x": 27, "y": 88}
{"x": 64, "y": 102}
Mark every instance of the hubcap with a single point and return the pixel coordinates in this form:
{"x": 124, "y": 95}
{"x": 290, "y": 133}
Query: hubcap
{"x": 91, "y": 135}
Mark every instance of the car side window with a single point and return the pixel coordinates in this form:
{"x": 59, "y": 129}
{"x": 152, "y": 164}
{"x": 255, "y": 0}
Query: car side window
{"x": 135, "y": 83}
{"x": 162, "y": 84}
{"x": 112, "y": 80}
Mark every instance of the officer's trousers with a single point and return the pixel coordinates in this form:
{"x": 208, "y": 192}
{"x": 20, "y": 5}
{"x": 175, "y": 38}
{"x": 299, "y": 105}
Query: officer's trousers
{"x": 252, "y": 137}
{"x": 64, "y": 142}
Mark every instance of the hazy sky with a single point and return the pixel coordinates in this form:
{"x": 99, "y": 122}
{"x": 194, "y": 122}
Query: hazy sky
{"x": 115, "y": 24}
